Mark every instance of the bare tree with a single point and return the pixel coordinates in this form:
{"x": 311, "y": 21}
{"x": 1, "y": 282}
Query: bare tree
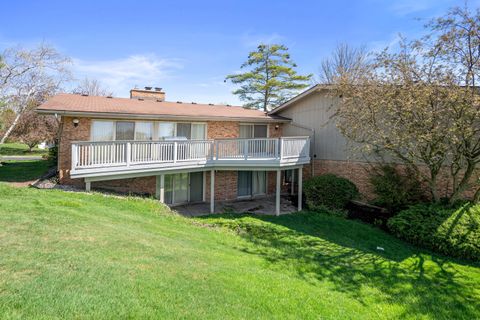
{"x": 344, "y": 61}
{"x": 29, "y": 75}
{"x": 92, "y": 87}
{"x": 421, "y": 105}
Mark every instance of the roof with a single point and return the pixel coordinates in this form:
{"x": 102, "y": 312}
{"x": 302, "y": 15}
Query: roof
{"x": 309, "y": 91}
{"x": 96, "y": 106}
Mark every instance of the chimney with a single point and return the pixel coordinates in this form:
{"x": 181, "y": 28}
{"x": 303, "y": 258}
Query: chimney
{"x": 148, "y": 93}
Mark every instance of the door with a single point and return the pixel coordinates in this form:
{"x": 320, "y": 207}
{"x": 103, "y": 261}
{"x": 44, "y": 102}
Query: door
{"x": 251, "y": 183}
{"x": 176, "y": 188}
{"x": 196, "y": 186}
{"x": 244, "y": 184}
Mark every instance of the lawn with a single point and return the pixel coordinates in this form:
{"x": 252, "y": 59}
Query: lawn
{"x": 22, "y": 171}
{"x": 78, "y": 255}
{"x": 20, "y": 149}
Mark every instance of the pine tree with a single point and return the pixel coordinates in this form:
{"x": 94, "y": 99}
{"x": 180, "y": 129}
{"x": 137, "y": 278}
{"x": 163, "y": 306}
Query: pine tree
{"x": 271, "y": 78}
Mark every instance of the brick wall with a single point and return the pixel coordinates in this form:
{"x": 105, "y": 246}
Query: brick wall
{"x": 222, "y": 129}
{"x": 70, "y": 133}
{"x": 358, "y": 173}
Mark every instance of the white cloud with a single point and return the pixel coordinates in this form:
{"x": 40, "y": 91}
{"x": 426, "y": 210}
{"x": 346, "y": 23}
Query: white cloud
{"x": 253, "y": 40}
{"x": 120, "y": 75}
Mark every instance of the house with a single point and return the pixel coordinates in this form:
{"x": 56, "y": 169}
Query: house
{"x": 311, "y": 113}
{"x": 179, "y": 152}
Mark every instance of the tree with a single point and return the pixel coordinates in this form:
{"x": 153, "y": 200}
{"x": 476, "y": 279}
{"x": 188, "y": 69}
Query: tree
{"x": 92, "y": 87}
{"x": 345, "y": 61}
{"x": 33, "y": 128}
{"x": 420, "y": 104}
{"x": 29, "y": 75}
{"x": 271, "y": 79}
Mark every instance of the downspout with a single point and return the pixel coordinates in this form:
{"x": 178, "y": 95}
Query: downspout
{"x": 312, "y": 166}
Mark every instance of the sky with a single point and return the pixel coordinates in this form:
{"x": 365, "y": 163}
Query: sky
{"x": 188, "y": 47}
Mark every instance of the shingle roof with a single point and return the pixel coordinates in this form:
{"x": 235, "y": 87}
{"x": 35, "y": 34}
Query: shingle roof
{"x": 105, "y": 106}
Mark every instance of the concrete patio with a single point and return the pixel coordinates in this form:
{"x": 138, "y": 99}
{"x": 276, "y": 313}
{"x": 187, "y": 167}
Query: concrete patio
{"x": 264, "y": 206}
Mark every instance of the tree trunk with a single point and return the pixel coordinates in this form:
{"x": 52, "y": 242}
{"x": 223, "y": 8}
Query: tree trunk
{"x": 10, "y": 129}
{"x": 462, "y": 186}
{"x": 476, "y": 197}
{"x": 433, "y": 186}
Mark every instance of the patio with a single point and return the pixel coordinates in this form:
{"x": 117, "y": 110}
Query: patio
{"x": 262, "y": 206}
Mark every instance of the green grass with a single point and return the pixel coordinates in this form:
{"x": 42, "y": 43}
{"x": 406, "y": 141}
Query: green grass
{"x": 22, "y": 171}
{"x": 75, "y": 255}
{"x": 20, "y": 149}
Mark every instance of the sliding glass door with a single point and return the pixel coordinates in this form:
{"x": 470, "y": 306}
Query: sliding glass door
{"x": 183, "y": 187}
{"x": 251, "y": 183}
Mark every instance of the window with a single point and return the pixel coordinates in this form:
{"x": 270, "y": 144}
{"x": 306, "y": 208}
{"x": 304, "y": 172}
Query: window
{"x": 184, "y": 130}
{"x": 253, "y": 131}
{"x": 198, "y": 131}
{"x": 125, "y": 130}
{"x": 102, "y": 130}
{"x": 166, "y": 129}
{"x": 143, "y": 130}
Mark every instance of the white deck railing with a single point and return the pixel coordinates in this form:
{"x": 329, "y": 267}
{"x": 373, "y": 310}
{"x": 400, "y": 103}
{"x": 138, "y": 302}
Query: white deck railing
{"x": 99, "y": 154}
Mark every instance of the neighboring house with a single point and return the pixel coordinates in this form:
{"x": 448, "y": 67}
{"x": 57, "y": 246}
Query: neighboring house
{"x": 180, "y": 152}
{"x": 311, "y": 114}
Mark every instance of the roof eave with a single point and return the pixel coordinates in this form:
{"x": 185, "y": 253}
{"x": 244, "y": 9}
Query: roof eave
{"x": 115, "y": 115}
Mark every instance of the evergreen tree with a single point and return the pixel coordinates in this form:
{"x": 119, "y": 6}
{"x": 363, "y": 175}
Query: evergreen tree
{"x": 271, "y": 78}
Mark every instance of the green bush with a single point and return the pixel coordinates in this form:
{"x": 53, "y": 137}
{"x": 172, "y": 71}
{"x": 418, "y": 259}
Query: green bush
{"x": 453, "y": 231}
{"x": 329, "y": 191}
{"x": 53, "y": 154}
{"x": 395, "y": 191}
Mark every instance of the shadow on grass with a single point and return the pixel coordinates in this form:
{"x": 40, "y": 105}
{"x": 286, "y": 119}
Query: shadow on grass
{"x": 323, "y": 248}
{"x": 22, "y": 171}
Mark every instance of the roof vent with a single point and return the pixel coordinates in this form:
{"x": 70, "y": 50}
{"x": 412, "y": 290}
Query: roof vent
{"x": 84, "y": 95}
{"x": 228, "y": 105}
{"x": 179, "y": 101}
{"x": 140, "y": 99}
{"x": 211, "y": 104}
{"x": 158, "y": 89}
{"x": 148, "y": 88}
{"x": 159, "y": 100}
{"x": 109, "y": 97}
{"x": 194, "y": 102}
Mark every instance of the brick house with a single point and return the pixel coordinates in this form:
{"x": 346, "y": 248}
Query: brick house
{"x": 179, "y": 152}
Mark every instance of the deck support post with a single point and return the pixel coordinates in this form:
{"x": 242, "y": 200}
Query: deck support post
{"x": 160, "y": 188}
{"x": 277, "y": 193}
{"x": 88, "y": 185}
{"x": 292, "y": 189}
{"x": 212, "y": 191}
{"x": 300, "y": 178}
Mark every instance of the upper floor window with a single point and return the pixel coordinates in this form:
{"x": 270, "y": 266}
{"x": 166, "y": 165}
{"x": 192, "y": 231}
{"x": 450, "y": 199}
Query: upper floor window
{"x": 253, "y": 131}
{"x": 106, "y": 130}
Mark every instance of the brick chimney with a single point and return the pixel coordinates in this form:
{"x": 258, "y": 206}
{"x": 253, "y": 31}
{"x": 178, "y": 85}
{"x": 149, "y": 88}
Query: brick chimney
{"x": 148, "y": 93}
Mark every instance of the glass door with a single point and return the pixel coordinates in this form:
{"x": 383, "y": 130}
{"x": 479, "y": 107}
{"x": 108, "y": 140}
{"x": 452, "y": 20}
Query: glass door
{"x": 259, "y": 185}
{"x": 196, "y": 186}
{"x": 244, "y": 184}
{"x": 176, "y": 188}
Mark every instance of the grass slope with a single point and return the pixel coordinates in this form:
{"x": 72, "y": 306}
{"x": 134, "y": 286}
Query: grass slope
{"x": 22, "y": 171}
{"x": 20, "y": 149}
{"x": 70, "y": 255}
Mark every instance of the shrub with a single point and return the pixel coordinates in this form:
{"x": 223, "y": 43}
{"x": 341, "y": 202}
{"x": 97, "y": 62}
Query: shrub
{"x": 395, "y": 191}
{"x": 329, "y": 191}
{"x": 453, "y": 231}
{"x": 53, "y": 154}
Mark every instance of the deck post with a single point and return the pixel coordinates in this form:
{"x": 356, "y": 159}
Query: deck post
{"x": 292, "y": 189}
{"x": 88, "y": 185}
{"x": 128, "y": 155}
{"x": 277, "y": 193}
{"x": 212, "y": 191}
{"x": 160, "y": 188}
{"x": 300, "y": 178}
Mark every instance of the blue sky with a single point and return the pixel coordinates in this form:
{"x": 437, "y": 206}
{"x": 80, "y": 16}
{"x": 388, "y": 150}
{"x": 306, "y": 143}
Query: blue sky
{"x": 187, "y": 47}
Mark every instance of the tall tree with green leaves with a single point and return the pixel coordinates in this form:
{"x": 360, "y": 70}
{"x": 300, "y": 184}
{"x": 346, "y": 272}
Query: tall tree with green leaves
{"x": 271, "y": 78}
